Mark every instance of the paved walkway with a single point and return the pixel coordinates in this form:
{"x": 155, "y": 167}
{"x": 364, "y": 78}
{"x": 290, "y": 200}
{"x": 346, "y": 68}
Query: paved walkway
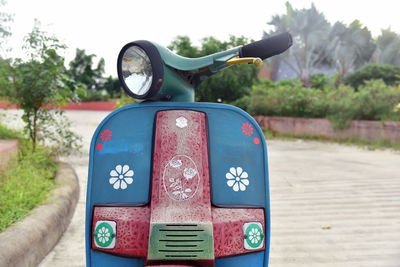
{"x": 356, "y": 192}
{"x": 352, "y": 191}
{"x": 70, "y": 251}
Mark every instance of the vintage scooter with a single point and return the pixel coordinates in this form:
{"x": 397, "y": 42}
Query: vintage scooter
{"x": 177, "y": 183}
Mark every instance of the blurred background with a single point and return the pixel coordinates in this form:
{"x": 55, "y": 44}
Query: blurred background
{"x": 342, "y": 50}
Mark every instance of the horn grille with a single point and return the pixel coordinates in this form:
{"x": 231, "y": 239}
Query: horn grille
{"x": 181, "y": 242}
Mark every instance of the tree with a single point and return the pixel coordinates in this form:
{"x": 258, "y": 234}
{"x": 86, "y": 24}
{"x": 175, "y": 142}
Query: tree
{"x": 38, "y": 86}
{"x": 388, "y": 48}
{"x": 183, "y": 46}
{"x": 113, "y": 87}
{"x": 4, "y": 27}
{"x": 81, "y": 70}
{"x": 352, "y": 47}
{"x": 5, "y": 71}
{"x": 227, "y": 85}
{"x": 310, "y": 32}
{"x": 5, "y": 76}
{"x": 388, "y": 73}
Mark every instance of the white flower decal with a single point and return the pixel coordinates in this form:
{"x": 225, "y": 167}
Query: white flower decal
{"x": 237, "y": 179}
{"x": 254, "y": 236}
{"x": 181, "y": 122}
{"x": 189, "y": 173}
{"x": 175, "y": 163}
{"x": 121, "y": 177}
{"x": 103, "y": 235}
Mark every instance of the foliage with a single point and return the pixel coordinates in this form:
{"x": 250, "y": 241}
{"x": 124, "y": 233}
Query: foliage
{"x": 84, "y": 94}
{"x": 25, "y": 182}
{"x": 319, "y": 81}
{"x": 55, "y": 128}
{"x": 341, "y": 109}
{"x": 4, "y": 27}
{"x": 81, "y": 70}
{"x": 310, "y": 32}
{"x": 125, "y": 100}
{"x": 5, "y": 74}
{"x": 6, "y": 133}
{"x": 287, "y": 98}
{"x": 113, "y": 87}
{"x": 318, "y": 45}
{"x": 243, "y": 102}
{"x": 351, "y": 47}
{"x": 182, "y": 45}
{"x": 227, "y": 85}
{"x": 373, "y": 101}
{"x": 4, "y": 63}
{"x": 389, "y": 74}
{"x": 88, "y": 82}
{"x": 388, "y": 48}
{"x": 376, "y": 101}
{"x": 39, "y": 84}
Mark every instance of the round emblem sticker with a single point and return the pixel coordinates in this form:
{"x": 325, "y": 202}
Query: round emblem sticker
{"x": 253, "y": 235}
{"x": 104, "y": 234}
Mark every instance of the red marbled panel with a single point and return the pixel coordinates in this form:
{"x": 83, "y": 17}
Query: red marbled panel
{"x": 177, "y": 149}
{"x": 132, "y": 229}
{"x": 228, "y": 229}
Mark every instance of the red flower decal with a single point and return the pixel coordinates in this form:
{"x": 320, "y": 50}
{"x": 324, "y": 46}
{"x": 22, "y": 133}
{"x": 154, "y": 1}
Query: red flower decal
{"x": 247, "y": 129}
{"x": 105, "y": 135}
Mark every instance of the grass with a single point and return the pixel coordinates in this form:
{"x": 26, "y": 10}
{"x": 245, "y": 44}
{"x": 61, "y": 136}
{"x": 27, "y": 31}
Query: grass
{"x": 25, "y": 182}
{"x": 371, "y": 145}
{"x": 6, "y": 133}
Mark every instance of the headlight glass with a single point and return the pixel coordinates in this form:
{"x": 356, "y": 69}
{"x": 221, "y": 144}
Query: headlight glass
{"x": 137, "y": 71}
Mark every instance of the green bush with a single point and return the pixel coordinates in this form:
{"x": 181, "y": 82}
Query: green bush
{"x": 125, "y": 100}
{"x": 243, "y": 102}
{"x": 388, "y": 73}
{"x": 286, "y": 98}
{"x": 340, "y": 104}
{"x": 319, "y": 81}
{"x": 6, "y": 133}
{"x": 376, "y": 101}
{"x": 373, "y": 101}
{"x": 5, "y": 74}
{"x": 86, "y": 95}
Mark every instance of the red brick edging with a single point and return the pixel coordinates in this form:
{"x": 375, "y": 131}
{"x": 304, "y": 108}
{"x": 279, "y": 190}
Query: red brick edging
{"x": 367, "y": 130}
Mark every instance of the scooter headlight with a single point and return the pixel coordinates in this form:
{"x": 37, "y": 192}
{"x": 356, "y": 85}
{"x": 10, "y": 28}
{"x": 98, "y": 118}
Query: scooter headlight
{"x": 140, "y": 69}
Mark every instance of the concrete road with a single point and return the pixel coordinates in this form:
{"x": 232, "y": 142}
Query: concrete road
{"x": 352, "y": 191}
{"x": 331, "y": 205}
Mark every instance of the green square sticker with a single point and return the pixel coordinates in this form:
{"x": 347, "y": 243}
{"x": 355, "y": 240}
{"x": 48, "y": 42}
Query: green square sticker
{"x": 105, "y": 234}
{"x": 253, "y": 235}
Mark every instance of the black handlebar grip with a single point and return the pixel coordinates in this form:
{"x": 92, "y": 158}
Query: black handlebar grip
{"x": 267, "y": 47}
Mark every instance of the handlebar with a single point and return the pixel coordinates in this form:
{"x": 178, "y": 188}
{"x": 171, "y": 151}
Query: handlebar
{"x": 150, "y": 71}
{"x": 267, "y": 47}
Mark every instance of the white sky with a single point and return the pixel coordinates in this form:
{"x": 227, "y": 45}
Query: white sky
{"x": 102, "y": 27}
